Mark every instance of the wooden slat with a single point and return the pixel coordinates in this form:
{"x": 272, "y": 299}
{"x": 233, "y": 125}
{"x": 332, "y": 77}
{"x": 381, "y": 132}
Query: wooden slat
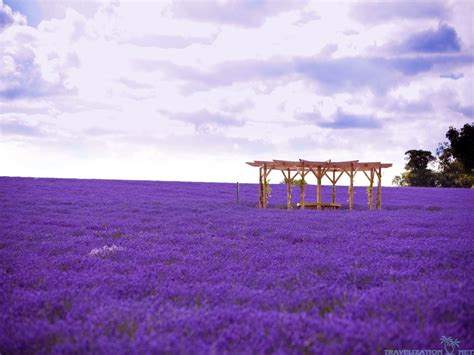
{"x": 287, "y": 162}
{"x": 367, "y": 165}
{"x": 321, "y": 205}
{"x": 369, "y": 162}
{"x": 253, "y": 164}
{"x": 273, "y": 165}
{"x": 315, "y": 164}
{"x": 286, "y": 167}
{"x": 339, "y": 164}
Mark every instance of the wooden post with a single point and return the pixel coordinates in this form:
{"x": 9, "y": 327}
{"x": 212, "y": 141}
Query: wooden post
{"x": 288, "y": 194}
{"x": 379, "y": 188}
{"x": 238, "y": 193}
{"x": 333, "y": 186}
{"x": 260, "y": 189}
{"x": 370, "y": 188}
{"x": 302, "y": 188}
{"x": 318, "y": 194}
{"x": 265, "y": 187}
{"x": 351, "y": 187}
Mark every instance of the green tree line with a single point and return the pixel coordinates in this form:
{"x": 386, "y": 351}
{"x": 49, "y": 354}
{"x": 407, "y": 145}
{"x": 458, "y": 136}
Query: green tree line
{"x": 453, "y": 165}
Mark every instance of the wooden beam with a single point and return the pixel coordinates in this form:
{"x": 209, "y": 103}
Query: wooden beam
{"x": 303, "y": 173}
{"x": 368, "y": 177}
{"x": 294, "y": 176}
{"x": 260, "y": 194}
{"x": 348, "y": 172}
{"x": 340, "y": 174}
{"x": 329, "y": 177}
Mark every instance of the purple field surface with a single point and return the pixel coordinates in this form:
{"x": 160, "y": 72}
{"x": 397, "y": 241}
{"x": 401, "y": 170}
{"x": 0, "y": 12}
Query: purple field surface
{"x": 139, "y": 266}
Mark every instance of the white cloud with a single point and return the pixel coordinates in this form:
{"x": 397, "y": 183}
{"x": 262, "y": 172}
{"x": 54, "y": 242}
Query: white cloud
{"x": 139, "y": 90}
{"x": 8, "y": 17}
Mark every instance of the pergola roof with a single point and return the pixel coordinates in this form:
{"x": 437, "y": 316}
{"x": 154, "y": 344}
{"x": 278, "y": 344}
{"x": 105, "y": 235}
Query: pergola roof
{"x": 303, "y": 164}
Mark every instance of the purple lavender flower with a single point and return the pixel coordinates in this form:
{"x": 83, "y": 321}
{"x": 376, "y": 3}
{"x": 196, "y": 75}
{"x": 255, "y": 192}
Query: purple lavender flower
{"x": 137, "y": 266}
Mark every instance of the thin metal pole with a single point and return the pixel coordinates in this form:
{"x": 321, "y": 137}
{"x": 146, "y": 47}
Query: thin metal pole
{"x": 238, "y": 193}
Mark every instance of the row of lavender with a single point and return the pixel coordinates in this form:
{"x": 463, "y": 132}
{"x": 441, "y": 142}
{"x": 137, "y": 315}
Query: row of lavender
{"x": 120, "y": 266}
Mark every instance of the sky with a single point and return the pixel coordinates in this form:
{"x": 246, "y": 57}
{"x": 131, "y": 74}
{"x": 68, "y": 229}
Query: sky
{"x": 190, "y": 91}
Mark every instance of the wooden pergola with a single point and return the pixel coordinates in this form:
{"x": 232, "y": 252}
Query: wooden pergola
{"x": 332, "y": 170}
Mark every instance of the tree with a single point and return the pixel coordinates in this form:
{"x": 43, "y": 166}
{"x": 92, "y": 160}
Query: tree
{"x": 449, "y": 169}
{"x": 456, "y": 158}
{"x": 417, "y": 172}
{"x": 455, "y": 162}
{"x": 299, "y": 183}
{"x": 400, "y": 180}
{"x": 462, "y": 145}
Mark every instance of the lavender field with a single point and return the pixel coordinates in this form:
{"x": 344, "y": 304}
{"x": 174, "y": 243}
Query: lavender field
{"x": 134, "y": 266}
